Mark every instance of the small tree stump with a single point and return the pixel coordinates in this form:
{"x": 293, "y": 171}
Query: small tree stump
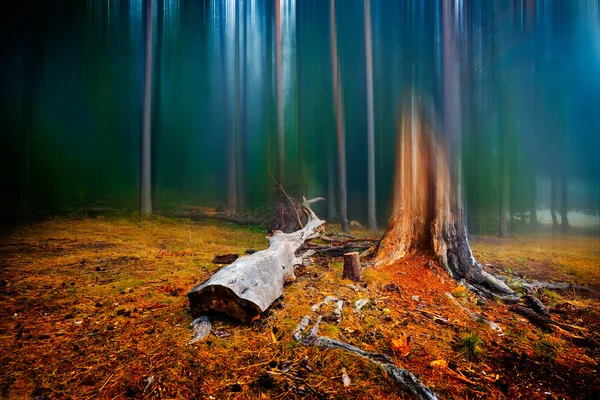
{"x": 352, "y": 266}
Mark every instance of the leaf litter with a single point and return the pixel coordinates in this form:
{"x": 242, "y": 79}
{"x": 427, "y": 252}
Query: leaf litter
{"x": 96, "y": 308}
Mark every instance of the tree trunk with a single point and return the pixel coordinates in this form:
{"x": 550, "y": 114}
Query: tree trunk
{"x": 303, "y": 186}
{"x": 339, "y": 113}
{"x": 280, "y": 102}
{"x": 243, "y": 137}
{"x": 564, "y": 219}
{"x": 533, "y": 219}
{"x": 156, "y": 113}
{"x": 425, "y": 213}
{"x": 234, "y": 144}
{"x": 352, "y": 266}
{"x": 371, "y": 211}
{"x": 248, "y": 286}
{"x": 555, "y": 224}
{"x": 145, "y": 146}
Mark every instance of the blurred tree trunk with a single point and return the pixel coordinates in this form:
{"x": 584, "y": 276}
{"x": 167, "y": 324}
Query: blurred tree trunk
{"x": 427, "y": 211}
{"x": 338, "y": 100}
{"x": 242, "y": 136}
{"x": 371, "y": 209}
{"x": 280, "y": 100}
{"x": 146, "y": 142}
{"x": 234, "y": 140}
{"x": 553, "y": 188}
{"x": 331, "y": 211}
{"x": 156, "y": 113}
{"x": 229, "y": 130}
{"x": 533, "y": 219}
{"x": 300, "y": 128}
{"x": 564, "y": 219}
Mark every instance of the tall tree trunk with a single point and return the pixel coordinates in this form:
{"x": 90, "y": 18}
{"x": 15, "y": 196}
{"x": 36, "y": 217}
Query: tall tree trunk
{"x": 553, "y": 188}
{"x": 146, "y": 142}
{"x": 234, "y": 140}
{"x": 331, "y": 211}
{"x": 242, "y": 137}
{"x": 271, "y": 161}
{"x": 427, "y": 209}
{"x": 156, "y": 114}
{"x": 503, "y": 176}
{"x": 339, "y": 113}
{"x": 229, "y": 129}
{"x": 299, "y": 111}
{"x": 280, "y": 100}
{"x": 533, "y": 219}
{"x": 425, "y": 214}
{"x": 564, "y": 219}
{"x": 371, "y": 208}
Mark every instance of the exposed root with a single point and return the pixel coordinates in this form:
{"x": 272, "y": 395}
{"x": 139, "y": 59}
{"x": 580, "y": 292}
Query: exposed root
{"x": 403, "y": 378}
{"x": 476, "y": 317}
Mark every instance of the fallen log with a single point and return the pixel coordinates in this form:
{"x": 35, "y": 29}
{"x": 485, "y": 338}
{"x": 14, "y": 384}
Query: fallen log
{"x": 198, "y": 215}
{"x": 248, "y": 286}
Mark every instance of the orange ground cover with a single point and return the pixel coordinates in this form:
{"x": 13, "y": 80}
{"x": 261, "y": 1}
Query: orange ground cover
{"x": 96, "y": 308}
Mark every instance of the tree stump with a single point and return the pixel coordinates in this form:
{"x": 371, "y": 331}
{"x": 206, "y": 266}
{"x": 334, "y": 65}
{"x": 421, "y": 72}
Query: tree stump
{"x": 352, "y": 266}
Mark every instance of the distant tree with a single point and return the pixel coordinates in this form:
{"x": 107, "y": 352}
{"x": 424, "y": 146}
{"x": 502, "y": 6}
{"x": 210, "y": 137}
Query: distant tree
{"x": 146, "y": 142}
{"x": 371, "y": 211}
{"x": 279, "y": 96}
{"x": 339, "y": 113}
{"x": 243, "y": 135}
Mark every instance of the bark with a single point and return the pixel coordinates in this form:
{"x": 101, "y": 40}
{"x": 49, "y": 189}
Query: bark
{"x": 340, "y": 124}
{"x": 426, "y": 214}
{"x": 146, "y": 142}
{"x": 352, "y": 266}
{"x": 247, "y": 287}
{"x": 371, "y": 212}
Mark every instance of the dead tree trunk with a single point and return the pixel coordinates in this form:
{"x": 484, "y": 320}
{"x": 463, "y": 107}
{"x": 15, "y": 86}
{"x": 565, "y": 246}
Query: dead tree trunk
{"x": 352, "y": 266}
{"x": 426, "y": 214}
{"x": 246, "y": 288}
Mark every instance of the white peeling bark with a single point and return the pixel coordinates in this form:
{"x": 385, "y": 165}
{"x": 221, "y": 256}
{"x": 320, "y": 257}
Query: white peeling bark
{"x": 247, "y": 287}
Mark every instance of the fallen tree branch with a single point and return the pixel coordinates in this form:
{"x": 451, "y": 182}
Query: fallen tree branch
{"x": 337, "y": 251}
{"x": 197, "y": 215}
{"x": 403, "y": 378}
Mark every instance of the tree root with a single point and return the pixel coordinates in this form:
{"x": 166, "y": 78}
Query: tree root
{"x": 403, "y": 378}
{"x": 476, "y": 317}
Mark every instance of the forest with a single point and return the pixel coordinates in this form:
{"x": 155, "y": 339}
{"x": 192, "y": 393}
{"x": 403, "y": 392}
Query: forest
{"x": 300, "y": 199}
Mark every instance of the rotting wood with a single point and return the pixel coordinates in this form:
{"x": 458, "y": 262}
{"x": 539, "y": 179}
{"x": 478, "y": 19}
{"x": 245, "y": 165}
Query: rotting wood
{"x": 248, "y": 286}
{"x": 352, "y": 266}
{"x": 401, "y": 377}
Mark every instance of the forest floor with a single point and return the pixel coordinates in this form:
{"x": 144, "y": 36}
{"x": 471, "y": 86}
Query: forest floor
{"x": 97, "y": 308}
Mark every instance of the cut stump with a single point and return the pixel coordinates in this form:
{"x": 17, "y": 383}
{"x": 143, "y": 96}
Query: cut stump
{"x": 352, "y": 266}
